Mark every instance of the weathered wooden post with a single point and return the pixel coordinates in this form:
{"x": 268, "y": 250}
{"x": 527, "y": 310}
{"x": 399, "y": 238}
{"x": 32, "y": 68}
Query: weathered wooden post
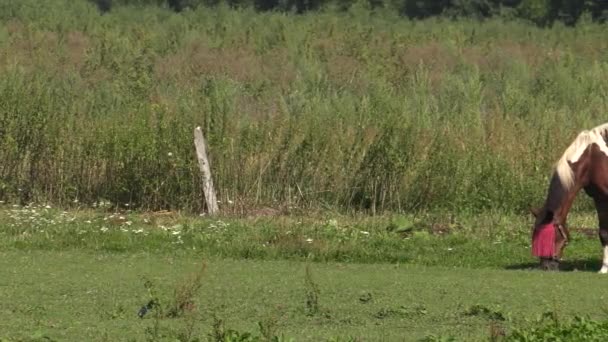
{"x": 203, "y": 163}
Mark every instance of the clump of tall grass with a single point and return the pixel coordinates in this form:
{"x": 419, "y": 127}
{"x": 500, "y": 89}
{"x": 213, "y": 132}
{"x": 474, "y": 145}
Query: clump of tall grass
{"x": 349, "y": 111}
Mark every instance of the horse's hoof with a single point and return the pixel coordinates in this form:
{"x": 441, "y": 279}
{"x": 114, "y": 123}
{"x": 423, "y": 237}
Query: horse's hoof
{"x": 549, "y": 264}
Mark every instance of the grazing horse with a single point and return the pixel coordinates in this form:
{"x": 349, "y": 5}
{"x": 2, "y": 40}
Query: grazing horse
{"x": 583, "y": 165}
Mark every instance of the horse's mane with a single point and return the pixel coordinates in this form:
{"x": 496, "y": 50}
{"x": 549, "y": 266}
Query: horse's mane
{"x": 597, "y": 135}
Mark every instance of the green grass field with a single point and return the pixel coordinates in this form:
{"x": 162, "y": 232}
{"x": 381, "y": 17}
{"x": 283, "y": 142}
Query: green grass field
{"x": 82, "y": 275}
{"x": 78, "y": 295}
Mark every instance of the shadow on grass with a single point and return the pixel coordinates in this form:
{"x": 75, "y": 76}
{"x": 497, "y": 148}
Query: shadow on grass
{"x": 581, "y": 265}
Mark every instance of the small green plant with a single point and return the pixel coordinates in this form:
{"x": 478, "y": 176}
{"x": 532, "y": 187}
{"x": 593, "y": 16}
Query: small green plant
{"x": 185, "y": 292}
{"x": 182, "y": 304}
{"x": 497, "y": 331}
{"x": 183, "y": 296}
{"x": 187, "y": 335}
{"x": 268, "y": 328}
{"x": 401, "y": 312}
{"x": 153, "y": 301}
{"x": 152, "y": 333}
{"x": 365, "y": 297}
{"x": 344, "y": 339}
{"x": 437, "y": 338}
{"x": 578, "y": 329}
{"x": 484, "y": 311}
{"x": 220, "y": 333}
{"x": 117, "y": 312}
{"x": 312, "y": 293}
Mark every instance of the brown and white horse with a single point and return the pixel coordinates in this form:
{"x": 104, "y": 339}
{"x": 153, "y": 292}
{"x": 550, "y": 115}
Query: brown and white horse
{"x": 583, "y": 165}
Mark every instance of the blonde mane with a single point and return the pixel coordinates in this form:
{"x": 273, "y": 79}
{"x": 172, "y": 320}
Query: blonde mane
{"x": 576, "y": 149}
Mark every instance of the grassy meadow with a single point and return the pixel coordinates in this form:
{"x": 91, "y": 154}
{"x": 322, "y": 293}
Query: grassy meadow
{"x": 356, "y": 110}
{"x": 85, "y": 274}
{"x": 374, "y": 175}
{"x": 76, "y": 295}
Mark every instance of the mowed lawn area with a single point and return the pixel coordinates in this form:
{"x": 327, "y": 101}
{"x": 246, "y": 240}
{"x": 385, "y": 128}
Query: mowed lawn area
{"x": 91, "y": 296}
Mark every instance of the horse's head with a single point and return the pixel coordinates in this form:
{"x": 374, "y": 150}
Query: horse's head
{"x": 549, "y": 238}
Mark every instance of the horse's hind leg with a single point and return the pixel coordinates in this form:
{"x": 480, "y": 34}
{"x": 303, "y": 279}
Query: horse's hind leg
{"x": 602, "y": 214}
{"x": 604, "y": 240}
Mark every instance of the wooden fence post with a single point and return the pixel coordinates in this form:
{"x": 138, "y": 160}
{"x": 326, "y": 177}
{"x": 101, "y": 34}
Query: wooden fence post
{"x": 203, "y": 163}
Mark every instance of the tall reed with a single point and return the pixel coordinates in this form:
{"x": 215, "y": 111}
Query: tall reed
{"x": 348, "y": 111}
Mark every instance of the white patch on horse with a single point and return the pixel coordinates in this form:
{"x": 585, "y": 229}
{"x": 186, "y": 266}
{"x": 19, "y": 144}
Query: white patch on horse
{"x": 576, "y": 150}
{"x": 604, "y": 269}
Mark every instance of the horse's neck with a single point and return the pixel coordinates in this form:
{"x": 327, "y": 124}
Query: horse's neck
{"x": 559, "y": 200}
